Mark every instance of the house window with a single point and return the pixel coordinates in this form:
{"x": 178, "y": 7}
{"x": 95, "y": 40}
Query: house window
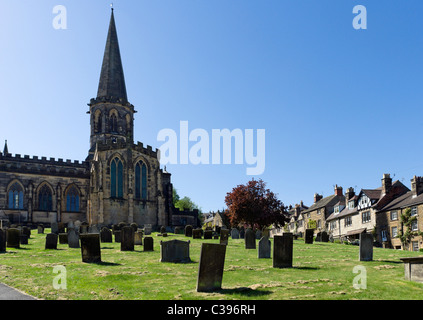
{"x": 141, "y": 181}
{"x": 351, "y": 204}
{"x": 394, "y": 232}
{"x": 319, "y": 223}
{"x": 414, "y": 226}
{"x": 394, "y": 215}
{"x": 45, "y": 199}
{"x": 413, "y": 211}
{"x": 72, "y": 200}
{"x": 384, "y": 236}
{"x": 415, "y": 245}
{"x": 347, "y": 221}
{"x": 333, "y": 225}
{"x": 16, "y": 196}
{"x": 300, "y": 223}
{"x": 336, "y": 209}
{"x": 365, "y": 216}
{"x": 116, "y": 179}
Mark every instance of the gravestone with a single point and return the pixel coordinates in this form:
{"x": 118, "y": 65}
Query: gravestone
{"x": 366, "y": 247}
{"x": 210, "y": 270}
{"x": 70, "y": 225}
{"x": 73, "y": 239}
{"x": 93, "y": 229}
{"x": 250, "y": 239}
{"x": 162, "y": 229}
{"x": 266, "y": 233}
{"x": 24, "y": 238}
{"x": 54, "y": 227}
{"x": 177, "y": 230}
{"x": 118, "y": 236}
{"x": 2, "y": 240}
{"x": 134, "y": 226}
{"x": 26, "y": 231}
{"x": 51, "y": 241}
{"x": 40, "y": 229}
{"x": 319, "y": 237}
{"x": 258, "y": 235}
{"x": 127, "y": 241}
{"x": 235, "y": 233}
{"x": 224, "y": 236}
{"x": 106, "y": 235}
{"x": 208, "y": 234}
{"x": 148, "y": 244}
{"x": 196, "y": 233}
{"x": 90, "y": 247}
{"x": 138, "y": 238}
{"x": 264, "y": 247}
{"x": 13, "y": 238}
{"x": 83, "y": 228}
{"x": 188, "y": 231}
{"x": 309, "y": 236}
{"x": 242, "y": 233}
{"x": 175, "y": 251}
{"x": 325, "y": 236}
{"x": 63, "y": 238}
{"x": 283, "y": 250}
{"x": 147, "y": 229}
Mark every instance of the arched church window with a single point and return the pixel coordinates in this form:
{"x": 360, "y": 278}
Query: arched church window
{"x": 72, "y": 199}
{"x": 116, "y": 178}
{"x": 16, "y": 196}
{"x": 141, "y": 181}
{"x": 98, "y": 122}
{"x": 45, "y": 199}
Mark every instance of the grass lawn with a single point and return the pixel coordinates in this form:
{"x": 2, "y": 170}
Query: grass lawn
{"x": 321, "y": 271}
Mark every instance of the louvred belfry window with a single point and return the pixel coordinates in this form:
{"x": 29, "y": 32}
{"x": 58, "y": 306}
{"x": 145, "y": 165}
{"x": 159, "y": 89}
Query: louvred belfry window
{"x": 116, "y": 178}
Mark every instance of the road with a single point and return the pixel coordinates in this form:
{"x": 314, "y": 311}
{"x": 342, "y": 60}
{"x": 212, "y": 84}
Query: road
{"x": 8, "y": 293}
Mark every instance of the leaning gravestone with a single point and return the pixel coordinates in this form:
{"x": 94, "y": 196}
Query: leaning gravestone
{"x": 283, "y": 250}
{"x": 224, "y": 236}
{"x": 264, "y": 247}
{"x": 148, "y": 244}
{"x": 175, "y": 251}
{"x": 188, "y": 231}
{"x": 366, "y": 247}
{"x": 235, "y": 233}
{"x": 210, "y": 270}
{"x": 106, "y": 235}
{"x": 250, "y": 239}
{"x": 309, "y": 236}
{"x": 51, "y": 241}
{"x": 127, "y": 241}
{"x": 73, "y": 239}
{"x": 90, "y": 247}
{"x": 2, "y": 240}
{"x": 13, "y": 238}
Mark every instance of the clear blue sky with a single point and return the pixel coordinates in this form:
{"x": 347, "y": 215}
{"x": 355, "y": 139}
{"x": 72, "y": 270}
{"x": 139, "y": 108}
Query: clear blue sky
{"x": 339, "y": 105}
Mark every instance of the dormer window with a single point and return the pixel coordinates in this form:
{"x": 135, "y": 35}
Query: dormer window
{"x": 351, "y": 204}
{"x": 336, "y": 209}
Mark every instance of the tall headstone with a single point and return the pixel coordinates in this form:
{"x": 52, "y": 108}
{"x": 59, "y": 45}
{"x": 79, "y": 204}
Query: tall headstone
{"x": 148, "y": 244}
{"x": 73, "y": 239}
{"x": 106, "y": 235}
{"x": 127, "y": 241}
{"x": 90, "y": 247}
{"x": 176, "y": 251}
{"x": 309, "y": 236}
{"x": 224, "y": 236}
{"x": 283, "y": 250}
{"x": 235, "y": 233}
{"x": 210, "y": 270}
{"x": 264, "y": 247}
{"x": 13, "y": 238}
{"x": 366, "y": 247}
{"x": 51, "y": 241}
{"x": 250, "y": 239}
{"x": 188, "y": 231}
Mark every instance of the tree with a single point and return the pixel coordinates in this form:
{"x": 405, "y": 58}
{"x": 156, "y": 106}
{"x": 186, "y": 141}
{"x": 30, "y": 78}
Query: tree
{"x": 255, "y": 205}
{"x": 175, "y": 196}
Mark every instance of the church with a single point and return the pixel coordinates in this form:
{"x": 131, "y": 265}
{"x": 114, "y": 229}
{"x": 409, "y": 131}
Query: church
{"x": 119, "y": 181}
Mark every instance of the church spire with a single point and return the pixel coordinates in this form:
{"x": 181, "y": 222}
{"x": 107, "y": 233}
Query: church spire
{"x": 5, "y": 149}
{"x": 112, "y": 80}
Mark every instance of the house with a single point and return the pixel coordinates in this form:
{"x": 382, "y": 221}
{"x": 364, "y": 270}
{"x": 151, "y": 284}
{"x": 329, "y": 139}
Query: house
{"x": 296, "y": 219}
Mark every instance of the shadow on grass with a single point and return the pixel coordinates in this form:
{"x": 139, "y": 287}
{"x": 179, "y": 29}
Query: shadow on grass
{"x": 390, "y": 261}
{"x": 245, "y": 292}
{"x": 104, "y": 263}
{"x": 305, "y": 268}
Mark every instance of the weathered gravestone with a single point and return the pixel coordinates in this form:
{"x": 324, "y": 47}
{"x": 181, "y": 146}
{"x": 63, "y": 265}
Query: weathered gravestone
{"x": 176, "y": 251}
{"x": 93, "y": 229}
{"x": 13, "y": 238}
{"x": 309, "y": 236}
{"x": 325, "y": 236}
{"x": 413, "y": 268}
{"x": 196, "y": 233}
{"x": 162, "y": 229}
{"x": 127, "y": 241}
{"x": 366, "y": 247}
{"x": 24, "y": 238}
{"x": 26, "y": 231}
{"x": 138, "y": 238}
{"x": 2, "y": 240}
{"x": 63, "y": 238}
{"x": 51, "y": 241}
{"x": 73, "y": 239}
{"x": 210, "y": 270}
{"x": 177, "y": 230}
{"x": 148, "y": 244}
{"x": 258, "y": 235}
{"x": 264, "y": 247}
{"x": 250, "y": 239}
{"x": 266, "y": 233}
{"x": 83, "y": 228}
{"x": 147, "y": 229}
{"x": 188, "y": 231}
{"x": 55, "y": 227}
{"x": 106, "y": 235}
{"x": 90, "y": 247}
{"x": 208, "y": 234}
{"x": 235, "y": 233}
{"x": 242, "y": 233}
{"x": 319, "y": 237}
{"x": 134, "y": 226}
{"x": 118, "y": 235}
{"x": 40, "y": 229}
{"x": 224, "y": 236}
{"x": 283, "y": 250}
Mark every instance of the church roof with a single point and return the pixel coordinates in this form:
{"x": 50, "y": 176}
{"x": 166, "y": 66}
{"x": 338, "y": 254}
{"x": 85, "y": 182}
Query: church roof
{"x": 112, "y": 80}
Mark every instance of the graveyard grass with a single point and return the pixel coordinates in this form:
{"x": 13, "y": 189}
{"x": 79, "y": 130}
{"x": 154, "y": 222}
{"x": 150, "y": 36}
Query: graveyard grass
{"x": 322, "y": 271}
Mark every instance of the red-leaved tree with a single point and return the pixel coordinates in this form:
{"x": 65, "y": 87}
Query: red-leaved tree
{"x": 255, "y": 205}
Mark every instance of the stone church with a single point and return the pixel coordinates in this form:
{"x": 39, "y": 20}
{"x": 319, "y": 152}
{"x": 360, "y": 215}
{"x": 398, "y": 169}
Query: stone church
{"x": 119, "y": 181}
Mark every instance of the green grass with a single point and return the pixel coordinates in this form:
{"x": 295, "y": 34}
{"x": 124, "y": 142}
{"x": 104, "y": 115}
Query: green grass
{"x": 321, "y": 271}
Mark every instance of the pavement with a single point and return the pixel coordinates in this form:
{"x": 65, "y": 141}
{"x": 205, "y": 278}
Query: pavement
{"x": 8, "y": 293}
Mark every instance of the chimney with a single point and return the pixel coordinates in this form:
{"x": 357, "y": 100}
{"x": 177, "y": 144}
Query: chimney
{"x": 349, "y": 194}
{"x": 317, "y": 197}
{"x": 386, "y": 183}
{"x": 338, "y": 191}
{"x": 416, "y": 186}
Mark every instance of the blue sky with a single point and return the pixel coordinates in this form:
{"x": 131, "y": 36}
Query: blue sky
{"x": 339, "y": 105}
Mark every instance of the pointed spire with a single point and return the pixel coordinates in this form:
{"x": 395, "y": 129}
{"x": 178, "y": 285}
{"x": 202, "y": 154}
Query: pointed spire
{"x": 5, "y": 149}
{"x": 112, "y": 80}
